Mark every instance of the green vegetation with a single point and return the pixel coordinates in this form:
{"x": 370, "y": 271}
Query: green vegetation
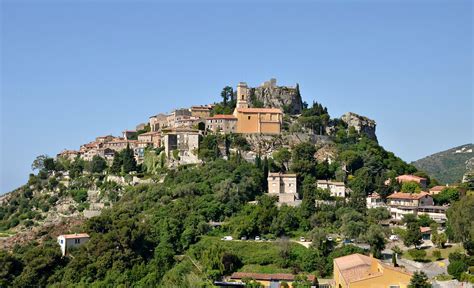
{"x": 446, "y": 166}
{"x": 159, "y": 235}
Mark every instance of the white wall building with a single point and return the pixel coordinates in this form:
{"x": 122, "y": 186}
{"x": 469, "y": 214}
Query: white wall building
{"x": 72, "y": 240}
{"x": 337, "y": 189}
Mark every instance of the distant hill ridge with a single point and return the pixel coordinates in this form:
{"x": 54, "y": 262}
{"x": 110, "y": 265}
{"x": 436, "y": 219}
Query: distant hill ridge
{"x": 448, "y": 166}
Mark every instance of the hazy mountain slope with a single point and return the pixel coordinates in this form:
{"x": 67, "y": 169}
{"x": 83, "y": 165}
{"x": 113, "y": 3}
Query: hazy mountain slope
{"x": 447, "y": 166}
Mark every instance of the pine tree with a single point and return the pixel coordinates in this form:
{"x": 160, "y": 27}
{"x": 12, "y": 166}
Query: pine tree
{"x": 419, "y": 280}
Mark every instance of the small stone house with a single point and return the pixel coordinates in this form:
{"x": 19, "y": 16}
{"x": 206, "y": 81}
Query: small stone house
{"x": 284, "y": 186}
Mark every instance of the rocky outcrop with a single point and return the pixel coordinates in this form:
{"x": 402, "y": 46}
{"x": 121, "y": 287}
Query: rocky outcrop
{"x": 362, "y": 124}
{"x": 288, "y": 99}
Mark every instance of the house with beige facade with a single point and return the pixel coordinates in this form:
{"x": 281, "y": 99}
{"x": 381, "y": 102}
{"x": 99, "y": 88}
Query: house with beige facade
{"x": 151, "y": 138}
{"x": 69, "y": 154}
{"x": 336, "y": 189}
{"x": 158, "y": 122}
{"x": 410, "y": 178}
{"x": 284, "y": 186}
{"x": 415, "y": 203}
{"x": 203, "y": 111}
{"x": 221, "y": 124}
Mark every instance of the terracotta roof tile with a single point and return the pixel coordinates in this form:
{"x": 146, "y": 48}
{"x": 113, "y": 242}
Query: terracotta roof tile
{"x": 259, "y": 110}
{"x": 77, "y": 235}
{"x": 222, "y": 116}
{"x": 407, "y": 196}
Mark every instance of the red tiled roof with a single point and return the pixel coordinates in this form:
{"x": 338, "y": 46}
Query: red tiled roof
{"x": 408, "y": 196}
{"x": 265, "y": 276}
{"x": 259, "y": 110}
{"x": 438, "y": 188}
{"x": 425, "y": 229}
{"x": 374, "y": 195}
{"x": 222, "y": 116}
{"x": 281, "y": 175}
{"x": 77, "y": 235}
{"x": 410, "y": 178}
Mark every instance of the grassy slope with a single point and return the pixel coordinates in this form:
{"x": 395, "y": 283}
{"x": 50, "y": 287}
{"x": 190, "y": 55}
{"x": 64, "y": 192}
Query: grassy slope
{"x": 445, "y": 166}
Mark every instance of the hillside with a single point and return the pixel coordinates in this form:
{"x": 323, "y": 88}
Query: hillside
{"x": 155, "y": 218}
{"x": 447, "y": 166}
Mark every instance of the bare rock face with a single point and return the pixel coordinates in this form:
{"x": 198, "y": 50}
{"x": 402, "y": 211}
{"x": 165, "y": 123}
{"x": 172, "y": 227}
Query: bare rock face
{"x": 362, "y": 124}
{"x": 288, "y": 99}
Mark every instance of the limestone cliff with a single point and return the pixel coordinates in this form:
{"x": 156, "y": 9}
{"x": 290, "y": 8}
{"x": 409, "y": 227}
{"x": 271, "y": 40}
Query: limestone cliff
{"x": 288, "y": 99}
{"x": 362, "y": 124}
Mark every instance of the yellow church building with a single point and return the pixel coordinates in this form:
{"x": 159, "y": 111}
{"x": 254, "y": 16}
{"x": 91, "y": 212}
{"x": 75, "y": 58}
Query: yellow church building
{"x": 255, "y": 120}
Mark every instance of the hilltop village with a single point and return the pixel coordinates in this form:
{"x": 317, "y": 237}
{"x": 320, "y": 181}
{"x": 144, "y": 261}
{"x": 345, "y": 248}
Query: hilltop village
{"x": 181, "y": 129}
{"x": 260, "y": 189}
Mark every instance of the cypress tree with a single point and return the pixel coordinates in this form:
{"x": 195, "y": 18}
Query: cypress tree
{"x": 128, "y": 160}
{"x": 116, "y": 164}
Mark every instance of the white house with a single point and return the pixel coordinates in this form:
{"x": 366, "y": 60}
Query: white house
{"x": 374, "y": 200}
{"x": 337, "y": 189}
{"x": 72, "y": 240}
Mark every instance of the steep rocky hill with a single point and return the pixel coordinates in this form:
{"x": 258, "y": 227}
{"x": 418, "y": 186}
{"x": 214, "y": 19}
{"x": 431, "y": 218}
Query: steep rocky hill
{"x": 269, "y": 94}
{"x": 448, "y": 166}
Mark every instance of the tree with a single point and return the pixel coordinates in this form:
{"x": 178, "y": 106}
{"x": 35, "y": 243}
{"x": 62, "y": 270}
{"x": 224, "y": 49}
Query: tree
{"x": 116, "y": 164}
{"x": 460, "y": 226}
{"x": 418, "y": 255}
{"x": 98, "y": 164}
{"x": 439, "y": 239}
{"x": 456, "y": 268}
{"x": 419, "y": 280}
{"x": 425, "y": 220}
{"x": 38, "y": 163}
{"x": 446, "y": 196}
{"x": 282, "y": 157}
{"x": 227, "y": 95}
{"x": 410, "y": 187}
{"x": 376, "y": 239}
{"x": 413, "y": 235}
{"x": 129, "y": 163}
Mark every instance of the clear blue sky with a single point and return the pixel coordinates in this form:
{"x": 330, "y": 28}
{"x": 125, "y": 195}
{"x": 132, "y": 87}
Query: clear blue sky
{"x": 74, "y": 70}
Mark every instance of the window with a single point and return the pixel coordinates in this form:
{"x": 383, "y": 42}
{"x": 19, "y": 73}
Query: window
{"x": 77, "y": 241}
{"x": 249, "y": 117}
{"x": 61, "y": 241}
{"x": 394, "y": 286}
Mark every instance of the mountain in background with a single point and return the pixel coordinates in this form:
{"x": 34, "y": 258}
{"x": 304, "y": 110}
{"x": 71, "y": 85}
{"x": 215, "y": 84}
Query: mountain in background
{"x": 448, "y": 166}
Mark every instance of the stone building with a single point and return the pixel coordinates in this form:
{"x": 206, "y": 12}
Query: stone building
{"x": 201, "y": 111}
{"x": 222, "y": 123}
{"x": 158, "y": 122}
{"x": 284, "y": 186}
{"x": 177, "y": 116}
{"x": 152, "y": 138}
{"x": 183, "y": 140}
